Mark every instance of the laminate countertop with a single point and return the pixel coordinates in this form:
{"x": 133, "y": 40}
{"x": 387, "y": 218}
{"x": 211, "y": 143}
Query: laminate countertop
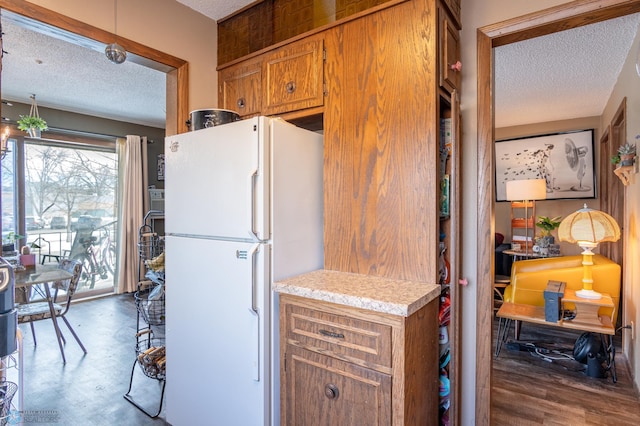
{"x": 396, "y": 297}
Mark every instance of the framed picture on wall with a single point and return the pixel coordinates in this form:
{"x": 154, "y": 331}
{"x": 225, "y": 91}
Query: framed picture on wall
{"x": 564, "y": 160}
{"x": 160, "y": 166}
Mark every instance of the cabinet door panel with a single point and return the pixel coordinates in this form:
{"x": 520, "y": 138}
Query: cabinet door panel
{"x": 454, "y": 8}
{"x": 294, "y": 77}
{"x": 326, "y": 391}
{"x": 449, "y": 53}
{"x": 241, "y": 88}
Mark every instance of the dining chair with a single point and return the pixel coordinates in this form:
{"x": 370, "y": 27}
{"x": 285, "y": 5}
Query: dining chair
{"x": 36, "y": 311}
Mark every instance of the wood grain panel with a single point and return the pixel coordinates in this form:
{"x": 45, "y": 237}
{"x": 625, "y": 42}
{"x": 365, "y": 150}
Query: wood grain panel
{"x": 420, "y": 358}
{"x": 240, "y": 88}
{"x": 293, "y": 77}
{"x": 340, "y": 336}
{"x": 413, "y": 386}
{"x": 363, "y": 395}
{"x": 485, "y": 236}
{"x": 380, "y": 171}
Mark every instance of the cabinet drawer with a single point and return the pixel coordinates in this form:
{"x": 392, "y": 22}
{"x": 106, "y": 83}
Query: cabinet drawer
{"x": 324, "y": 391}
{"x": 339, "y": 336}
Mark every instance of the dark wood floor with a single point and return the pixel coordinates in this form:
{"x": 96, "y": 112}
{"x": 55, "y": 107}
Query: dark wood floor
{"x": 528, "y": 390}
{"x": 89, "y": 389}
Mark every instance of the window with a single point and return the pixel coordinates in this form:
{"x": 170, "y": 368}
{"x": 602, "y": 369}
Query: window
{"x": 62, "y": 197}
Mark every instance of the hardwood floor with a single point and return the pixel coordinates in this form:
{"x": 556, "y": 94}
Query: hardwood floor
{"x": 528, "y": 390}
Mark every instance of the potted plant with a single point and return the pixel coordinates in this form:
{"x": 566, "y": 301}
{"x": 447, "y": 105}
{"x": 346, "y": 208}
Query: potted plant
{"x": 615, "y": 159}
{"x": 9, "y": 243}
{"x": 627, "y": 154}
{"x": 546, "y": 225}
{"x": 31, "y": 124}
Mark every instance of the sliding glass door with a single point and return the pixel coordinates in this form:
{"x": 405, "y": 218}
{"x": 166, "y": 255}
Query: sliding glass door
{"x": 60, "y": 199}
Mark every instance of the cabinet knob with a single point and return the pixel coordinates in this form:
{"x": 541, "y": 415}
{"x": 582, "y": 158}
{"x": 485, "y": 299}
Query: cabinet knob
{"x": 241, "y": 103}
{"x": 457, "y": 66}
{"x": 290, "y": 87}
{"x": 331, "y": 391}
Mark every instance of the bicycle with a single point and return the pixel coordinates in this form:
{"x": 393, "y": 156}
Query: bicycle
{"x": 97, "y": 255}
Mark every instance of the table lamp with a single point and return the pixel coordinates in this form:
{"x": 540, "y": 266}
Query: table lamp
{"x": 527, "y": 191}
{"x": 587, "y": 228}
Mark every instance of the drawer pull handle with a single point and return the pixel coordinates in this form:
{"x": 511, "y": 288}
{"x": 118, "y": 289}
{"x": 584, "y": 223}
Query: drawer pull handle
{"x": 241, "y": 103}
{"x": 332, "y": 334}
{"x": 331, "y": 391}
{"x": 290, "y": 87}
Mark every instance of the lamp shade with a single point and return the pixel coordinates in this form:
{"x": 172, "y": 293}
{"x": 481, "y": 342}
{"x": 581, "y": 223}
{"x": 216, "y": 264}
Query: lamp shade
{"x": 526, "y": 190}
{"x": 588, "y": 226}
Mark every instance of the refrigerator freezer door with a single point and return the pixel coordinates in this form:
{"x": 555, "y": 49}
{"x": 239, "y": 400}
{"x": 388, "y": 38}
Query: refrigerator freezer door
{"x": 217, "y": 332}
{"x": 217, "y": 181}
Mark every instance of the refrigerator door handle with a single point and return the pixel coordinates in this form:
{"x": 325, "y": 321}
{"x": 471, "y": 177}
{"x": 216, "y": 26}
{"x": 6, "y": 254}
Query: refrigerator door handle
{"x": 254, "y": 311}
{"x": 252, "y": 202}
{"x": 254, "y": 279}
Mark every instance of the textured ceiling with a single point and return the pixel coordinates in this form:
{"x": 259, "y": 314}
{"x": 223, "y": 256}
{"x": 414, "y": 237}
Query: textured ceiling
{"x": 217, "y": 9}
{"x": 77, "y": 78}
{"x": 560, "y": 76}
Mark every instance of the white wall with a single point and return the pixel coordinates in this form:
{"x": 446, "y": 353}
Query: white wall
{"x": 628, "y": 85}
{"x": 165, "y": 25}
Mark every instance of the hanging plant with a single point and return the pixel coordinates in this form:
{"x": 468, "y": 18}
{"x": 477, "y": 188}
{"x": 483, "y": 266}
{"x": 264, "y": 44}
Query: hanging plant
{"x": 32, "y": 123}
{"x": 27, "y": 122}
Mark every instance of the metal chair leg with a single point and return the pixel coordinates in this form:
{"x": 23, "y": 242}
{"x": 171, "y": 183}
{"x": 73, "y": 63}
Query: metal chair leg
{"x": 33, "y": 333}
{"x": 74, "y": 334}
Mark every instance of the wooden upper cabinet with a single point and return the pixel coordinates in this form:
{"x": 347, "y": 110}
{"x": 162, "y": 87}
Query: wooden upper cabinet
{"x": 240, "y": 88}
{"x": 454, "y": 8}
{"x": 294, "y": 77}
{"x": 449, "y": 53}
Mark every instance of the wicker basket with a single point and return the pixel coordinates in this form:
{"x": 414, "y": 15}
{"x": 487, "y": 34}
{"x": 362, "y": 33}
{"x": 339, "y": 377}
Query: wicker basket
{"x": 7, "y": 390}
{"x": 151, "y": 354}
{"x": 151, "y": 310}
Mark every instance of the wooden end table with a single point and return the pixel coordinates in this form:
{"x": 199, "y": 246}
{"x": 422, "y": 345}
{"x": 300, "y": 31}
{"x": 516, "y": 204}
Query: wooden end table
{"x": 586, "y": 319}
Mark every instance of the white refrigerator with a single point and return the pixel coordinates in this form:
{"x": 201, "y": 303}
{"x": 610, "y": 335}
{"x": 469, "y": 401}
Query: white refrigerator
{"x": 243, "y": 207}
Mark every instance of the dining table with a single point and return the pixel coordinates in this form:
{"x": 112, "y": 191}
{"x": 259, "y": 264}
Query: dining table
{"x": 44, "y": 274}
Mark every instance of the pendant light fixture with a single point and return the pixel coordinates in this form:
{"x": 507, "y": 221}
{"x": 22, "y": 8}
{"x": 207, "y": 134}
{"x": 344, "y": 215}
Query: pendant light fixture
{"x": 115, "y": 53}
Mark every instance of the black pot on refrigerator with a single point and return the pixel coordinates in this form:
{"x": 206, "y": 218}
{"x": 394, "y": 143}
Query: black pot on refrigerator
{"x": 8, "y": 313}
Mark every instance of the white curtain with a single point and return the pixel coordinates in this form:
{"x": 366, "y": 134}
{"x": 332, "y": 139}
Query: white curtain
{"x": 131, "y": 184}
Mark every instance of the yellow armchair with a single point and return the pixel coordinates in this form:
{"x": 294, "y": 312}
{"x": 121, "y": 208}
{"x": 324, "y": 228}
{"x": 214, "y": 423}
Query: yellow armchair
{"x": 529, "y": 279}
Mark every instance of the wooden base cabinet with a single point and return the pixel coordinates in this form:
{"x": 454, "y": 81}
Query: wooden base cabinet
{"x": 348, "y": 366}
{"x": 326, "y": 391}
